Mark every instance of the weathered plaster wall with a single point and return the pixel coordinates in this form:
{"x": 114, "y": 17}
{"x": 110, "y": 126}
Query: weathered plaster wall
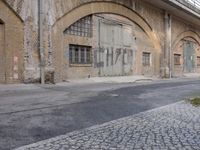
{"x": 11, "y": 40}
{"x": 53, "y": 10}
{"x": 28, "y": 11}
{"x": 56, "y": 11}
{"x": 154, "y": 17}
{"x": 101, "y": 7}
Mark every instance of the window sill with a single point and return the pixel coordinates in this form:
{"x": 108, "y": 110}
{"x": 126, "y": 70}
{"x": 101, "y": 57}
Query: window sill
{"x": 80, "y": 65}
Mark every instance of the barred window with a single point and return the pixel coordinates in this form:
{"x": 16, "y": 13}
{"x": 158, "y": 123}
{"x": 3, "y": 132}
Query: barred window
{"x": 82, "y": 27}
{"x": 177, "y": 59}
{"x": 198, "y": 60}
{"x": 80, "y": 54}
{"x": 146, "y": 59}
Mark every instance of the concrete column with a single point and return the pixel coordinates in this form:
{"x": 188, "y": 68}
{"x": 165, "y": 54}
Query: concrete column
{"x": 167, "y": 46}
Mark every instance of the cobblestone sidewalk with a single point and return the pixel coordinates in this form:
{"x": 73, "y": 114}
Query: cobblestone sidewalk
{"x": 171, "y": 127}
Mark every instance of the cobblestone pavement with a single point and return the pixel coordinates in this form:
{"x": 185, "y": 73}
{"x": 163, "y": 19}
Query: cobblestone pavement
{"x": 171, "y": 127}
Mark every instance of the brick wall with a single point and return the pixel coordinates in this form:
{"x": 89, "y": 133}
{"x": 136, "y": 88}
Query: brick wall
{"x": 11, "y": 37}
{"x": 2, "y": 69}
{"x": 55, "y": 11}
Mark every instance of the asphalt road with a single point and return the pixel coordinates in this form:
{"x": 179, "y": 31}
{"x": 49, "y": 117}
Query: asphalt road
{"x": 28, "y": 115}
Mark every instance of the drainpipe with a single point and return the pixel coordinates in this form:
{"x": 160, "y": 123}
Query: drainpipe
{"x": 99, "y": 49}
{"x": 41, "y": 47}
{"x": 170, "y": 45}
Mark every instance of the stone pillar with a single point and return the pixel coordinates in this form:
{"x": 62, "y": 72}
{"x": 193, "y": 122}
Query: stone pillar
{"x": 41, "y": 44}
{"x": 167, "y": 47}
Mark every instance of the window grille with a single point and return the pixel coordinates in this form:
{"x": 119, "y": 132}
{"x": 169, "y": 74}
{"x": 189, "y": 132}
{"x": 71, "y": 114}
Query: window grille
{"x": 82, "y": 27}
{"x": 146, "y": 59}
{"x": 177, "y": 59}
{"x": 80, "y": 54}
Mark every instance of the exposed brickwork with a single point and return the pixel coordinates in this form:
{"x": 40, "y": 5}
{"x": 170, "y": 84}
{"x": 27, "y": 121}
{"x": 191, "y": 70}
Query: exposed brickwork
{"x": 11, "y": 51}
{"x": 56, "y": 11}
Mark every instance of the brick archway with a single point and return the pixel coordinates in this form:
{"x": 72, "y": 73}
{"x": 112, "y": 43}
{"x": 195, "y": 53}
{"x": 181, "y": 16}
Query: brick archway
{"x": 11, "y": 51}
{"x": 186, "y": 34}
{"x": 95, "y": 8}
{"x": 184, "y": 60}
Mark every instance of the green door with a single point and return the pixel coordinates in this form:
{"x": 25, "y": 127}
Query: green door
{"x": 189, "y": 57}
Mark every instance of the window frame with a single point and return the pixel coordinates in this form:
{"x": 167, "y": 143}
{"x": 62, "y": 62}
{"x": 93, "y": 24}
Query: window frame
{"x": 146, "y": 59}
{"x": 177, "y": 63}
{"x": 78, "y": 55}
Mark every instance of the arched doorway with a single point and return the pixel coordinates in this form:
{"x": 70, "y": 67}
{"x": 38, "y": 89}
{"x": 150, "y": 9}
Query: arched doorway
{"x": 107, "y": 45}
{"x": 96, "y": 8}
{"x": 186, "y": 54}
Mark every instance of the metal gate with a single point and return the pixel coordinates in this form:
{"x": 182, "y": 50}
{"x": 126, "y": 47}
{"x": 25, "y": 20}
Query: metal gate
{"x": 189, "y": 57}
{"x": 115, "y": 53}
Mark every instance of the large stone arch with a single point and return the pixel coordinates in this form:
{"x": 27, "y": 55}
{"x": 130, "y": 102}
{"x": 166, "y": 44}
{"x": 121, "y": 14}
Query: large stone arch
{"x": 94, "y": 8}
{"x": 185, "y": 34}
{"x": 12, "y": 45}
{"x": 178, "y": 70}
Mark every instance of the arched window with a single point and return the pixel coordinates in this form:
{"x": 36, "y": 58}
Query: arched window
{"x": 82, "y": 27}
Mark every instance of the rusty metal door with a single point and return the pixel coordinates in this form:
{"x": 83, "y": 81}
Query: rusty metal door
{"x": 2, "y": 57}
{"x": 189, "y": 57}
{"x": 114, "y": 56}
